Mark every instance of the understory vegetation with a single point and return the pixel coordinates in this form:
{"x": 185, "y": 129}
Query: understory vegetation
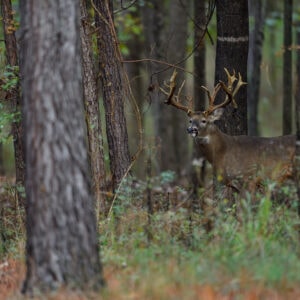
{"x": 155, "y": 246}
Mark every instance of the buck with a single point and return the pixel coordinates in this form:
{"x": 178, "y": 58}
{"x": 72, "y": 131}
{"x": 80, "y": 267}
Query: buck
{"x": 248, "y": 158}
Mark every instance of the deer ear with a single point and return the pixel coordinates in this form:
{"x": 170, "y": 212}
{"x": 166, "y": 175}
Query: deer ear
{"x": 217, "y": 114}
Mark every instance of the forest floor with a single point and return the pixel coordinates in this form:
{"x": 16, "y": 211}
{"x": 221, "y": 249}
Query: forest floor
{"x": 12, "y": 273}
{"x": 249, "y": 253}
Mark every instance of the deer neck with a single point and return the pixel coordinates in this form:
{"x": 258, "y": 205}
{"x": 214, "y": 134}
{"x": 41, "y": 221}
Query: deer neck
{"x": 213, "y": 145}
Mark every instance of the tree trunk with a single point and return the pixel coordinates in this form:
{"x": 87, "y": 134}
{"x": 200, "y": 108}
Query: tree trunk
{"x": 167, "y": 43}
{"x": 62, "y": 246}
{"x": 198, "y": 162}
{"x": 258, "y": 9}
{"x": 232, "y": 53}
{"x": 153, "y": 18}
{"x": 174, "y": 138}
{"x": 199, "y": 54}
{"x": 287, "y": 68}
{"x": 111, "y": 71}
{"x": 136, "y": 91}
{"x": 13, "y": 96}
{"x": 91, "y": 103}
{"x": 297, "y": 101}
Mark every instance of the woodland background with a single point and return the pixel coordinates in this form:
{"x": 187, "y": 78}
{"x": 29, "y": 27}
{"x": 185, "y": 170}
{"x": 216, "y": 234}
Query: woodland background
{"x": 157, "y": 243}
{"x": 134, "y": 33}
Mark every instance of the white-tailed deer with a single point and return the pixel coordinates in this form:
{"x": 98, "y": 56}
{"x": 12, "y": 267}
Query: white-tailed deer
{"x": 243, "y": 157}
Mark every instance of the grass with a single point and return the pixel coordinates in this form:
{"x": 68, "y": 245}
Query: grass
{"x": 251, "y": 252}
{"x": 254, "y": 246}
{"x": 267, "y": 250}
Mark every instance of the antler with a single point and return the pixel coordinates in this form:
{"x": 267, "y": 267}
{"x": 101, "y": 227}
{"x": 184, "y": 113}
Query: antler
{"x": 173, "y": 99}
{"x": 211, "y": 98}
{"x": 229, "y": 90}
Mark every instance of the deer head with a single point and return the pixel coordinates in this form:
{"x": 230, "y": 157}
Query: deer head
{"x": 202, "y": 122}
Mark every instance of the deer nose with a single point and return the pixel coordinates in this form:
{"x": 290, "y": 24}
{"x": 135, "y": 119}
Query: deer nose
{"x": 192, "y": 130}
{"x": 189, "y": 129}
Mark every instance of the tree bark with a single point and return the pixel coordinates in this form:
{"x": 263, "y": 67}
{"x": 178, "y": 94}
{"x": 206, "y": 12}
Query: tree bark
{"x": 258, "y": 9}
{"x": 91, "y": 104}
{"x": 13, "y": 96}
{"x": 232, "y": 53}
{"x": 153, "y": 18}
{"x": 199, "y": 54}
{"x": 62, "y": 247}
{"x": 198, "y": 162}
{"x": 167, "y": 43}
{"x": 287, "y": 68}
{"x": 297, "y": 106}
{"x": 175, "y": 138}
{"x": 113, "y": 94}
{"x": 136, "y": 91}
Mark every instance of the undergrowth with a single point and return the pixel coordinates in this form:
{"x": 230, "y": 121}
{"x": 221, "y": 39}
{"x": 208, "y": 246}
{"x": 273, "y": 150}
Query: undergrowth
{"x": 255, "y": 241}
{"x": 155, "y": 245}
{"x": 12, "y": 215}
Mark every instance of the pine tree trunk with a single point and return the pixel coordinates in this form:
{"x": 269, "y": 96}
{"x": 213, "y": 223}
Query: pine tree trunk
{"x": 113, "y": 94}
{"x": 198, "y": 162}
{"x": 287, "y": 68}
{"x": 13, "y": 96}
{"x": 91, "y": 103}
{"x": 62, "y": 246}
{"x": 258, "y": 9}
{"x": 167, "y": 43}
{"x": 232, "y": 53}
{"x": 153, "y": 18}
{"x": 136, "y": 90}
{"x": 297, "y": 101}
{"x": 177, "y": 139}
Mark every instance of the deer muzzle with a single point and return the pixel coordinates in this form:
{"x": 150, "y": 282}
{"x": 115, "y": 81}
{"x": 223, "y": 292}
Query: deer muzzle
{"x": 192, "y": 130}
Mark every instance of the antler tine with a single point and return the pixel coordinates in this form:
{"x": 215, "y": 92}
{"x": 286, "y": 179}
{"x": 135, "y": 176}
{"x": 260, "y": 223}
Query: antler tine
{"x": 229, "y": 96}
{"x": 227, "y": 100}
{"x": 238, "y": 85}
{"x": 230, "y": 78}
{"x": 170, "y": 99}
{"x": 211, "y": 98}
{"x": 230, "y": 92}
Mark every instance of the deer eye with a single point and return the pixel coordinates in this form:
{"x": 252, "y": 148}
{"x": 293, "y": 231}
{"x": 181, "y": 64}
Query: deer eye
{"x": 203, "y": 121}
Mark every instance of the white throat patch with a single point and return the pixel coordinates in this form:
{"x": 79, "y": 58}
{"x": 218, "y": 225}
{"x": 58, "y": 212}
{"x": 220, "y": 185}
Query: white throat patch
{"x": 204, "y": 139}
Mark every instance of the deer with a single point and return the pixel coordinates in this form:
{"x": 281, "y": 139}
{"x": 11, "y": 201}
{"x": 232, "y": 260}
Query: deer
{"x": 242, "y": 157}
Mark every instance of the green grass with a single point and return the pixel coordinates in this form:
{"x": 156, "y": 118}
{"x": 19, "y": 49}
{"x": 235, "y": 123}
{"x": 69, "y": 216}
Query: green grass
{"x": 252, "y": 246}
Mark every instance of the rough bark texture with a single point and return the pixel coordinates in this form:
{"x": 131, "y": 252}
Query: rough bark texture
{"x": 135, "y": 86}
{"x": 198, "y": 163}
{"x": 113, "y": 96}
{"x": 199, "y": 54}
{"x": 232, "y": 53}
{"x": 91, "y": 103}
{"x": 175, "y": 139}
{"x": 13, "y": 96}
{"x": 258, "y": 9}
{"x": 62, "y": 246}
{"x": 166, "y": 35}
{"x": 287, "y": 68}
{"x": 297, "y": 100}
{"x": 153, "y": 17}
